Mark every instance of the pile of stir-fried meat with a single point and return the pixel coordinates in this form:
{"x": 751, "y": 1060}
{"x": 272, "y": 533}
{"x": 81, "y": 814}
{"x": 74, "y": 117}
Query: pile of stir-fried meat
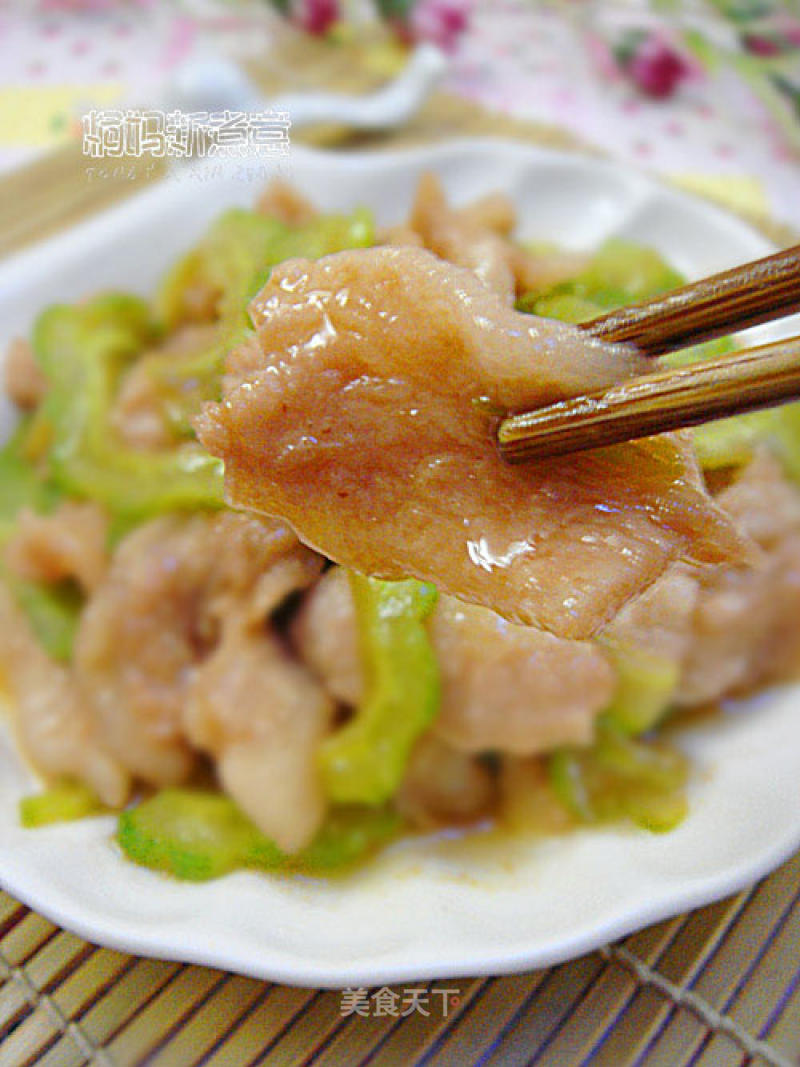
{"x": 357, "y": 420}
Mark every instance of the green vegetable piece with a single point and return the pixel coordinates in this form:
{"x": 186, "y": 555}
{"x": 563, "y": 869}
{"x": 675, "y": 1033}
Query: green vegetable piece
{"x": 619, "y": 273}
{"x": 235, "y": 256}
{"x": 192, "y": 835}
{"x": 53, "y": 612}
{"x": 24, "y": 484}
{"x": 186, "y": 275}
{"x": 566, "y": 772}
{"x": 347, "y": 835}
{"x": 782, "y": 429}
{"x": 623, "y": 273}
{"x": 567, "y": 307}
{"x": 60, "y": 803}
{"x": 785, "y": 431}
{"x": 724, "y": 442}
{"x": 365, "y": 760}
{"x": 646, "y": 682}
{"x": 731, "y": 442}
{"x": 196, "y": 835}
{"x": 233, "y": 261}
{"x": 621, "y": 778}
{"x": 684, "y": 357}
{"x": 225, "y": 262}
{"x": 81, "y": 351}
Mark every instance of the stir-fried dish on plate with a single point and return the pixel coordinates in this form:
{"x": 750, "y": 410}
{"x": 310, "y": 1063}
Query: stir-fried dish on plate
{"x": 270, "y": 592}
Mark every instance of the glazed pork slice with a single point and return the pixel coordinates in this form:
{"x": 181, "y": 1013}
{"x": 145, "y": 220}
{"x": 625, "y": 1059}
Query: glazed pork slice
{"x": 25, "y": 382}
{"x": 175, "y": 585}
{"x": 52, "y": 723}
{"x": 69, "y": 543}
{"x": 514, "y": 688}
{"x": 462, "y": 238}
{"x": 442, "y": 786}
{"x": 504, "y": 687}
{"x": 262, "y": 715}
{"x": 358, "y": 413}
{"x": 746, "y": 625}
{"x": 729, "y": 629}
{"x": 478, "y": 236}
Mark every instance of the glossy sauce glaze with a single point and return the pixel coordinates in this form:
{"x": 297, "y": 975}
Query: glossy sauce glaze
{"x": 359, "y": 414}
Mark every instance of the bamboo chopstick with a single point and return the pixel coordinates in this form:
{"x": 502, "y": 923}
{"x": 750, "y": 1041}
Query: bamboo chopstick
{"x": 753, "y": 293}
{"x": 685, "y": 396}
{"x": 655, "y": 403}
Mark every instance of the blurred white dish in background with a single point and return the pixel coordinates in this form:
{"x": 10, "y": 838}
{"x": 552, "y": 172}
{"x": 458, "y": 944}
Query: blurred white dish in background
{"x": 214, "y": 83}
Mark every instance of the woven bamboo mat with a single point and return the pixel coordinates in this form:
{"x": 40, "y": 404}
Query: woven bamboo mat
{"x": 719, "y": 987}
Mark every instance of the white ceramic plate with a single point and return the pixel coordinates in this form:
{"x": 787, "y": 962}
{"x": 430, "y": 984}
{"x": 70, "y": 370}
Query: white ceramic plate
{"x": 423, "y": 909}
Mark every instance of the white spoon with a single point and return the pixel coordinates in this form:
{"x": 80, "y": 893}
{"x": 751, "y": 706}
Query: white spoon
{"x": 215, "y": 84}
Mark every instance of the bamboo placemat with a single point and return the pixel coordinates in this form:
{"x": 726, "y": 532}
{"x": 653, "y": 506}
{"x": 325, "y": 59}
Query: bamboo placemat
{"x": 718, "y": 987}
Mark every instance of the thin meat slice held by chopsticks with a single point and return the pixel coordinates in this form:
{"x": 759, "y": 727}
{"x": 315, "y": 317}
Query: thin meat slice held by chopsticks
{"x": 361, "y": 413}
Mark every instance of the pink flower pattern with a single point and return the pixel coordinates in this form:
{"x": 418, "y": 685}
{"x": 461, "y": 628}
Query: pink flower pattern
{"x": 657, "y": 68}
{"x": 439, "y": 21}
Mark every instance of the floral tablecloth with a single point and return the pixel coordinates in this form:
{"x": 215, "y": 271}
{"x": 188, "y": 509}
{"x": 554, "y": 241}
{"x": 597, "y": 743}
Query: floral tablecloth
{"x": 704, "y": 91}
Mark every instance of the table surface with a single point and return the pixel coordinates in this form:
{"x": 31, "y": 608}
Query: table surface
{"x": 718, "y": 986}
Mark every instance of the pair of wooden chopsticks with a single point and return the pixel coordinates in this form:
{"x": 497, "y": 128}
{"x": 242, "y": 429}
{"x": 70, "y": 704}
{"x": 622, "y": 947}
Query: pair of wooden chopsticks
{"x": 684, "y": 396}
